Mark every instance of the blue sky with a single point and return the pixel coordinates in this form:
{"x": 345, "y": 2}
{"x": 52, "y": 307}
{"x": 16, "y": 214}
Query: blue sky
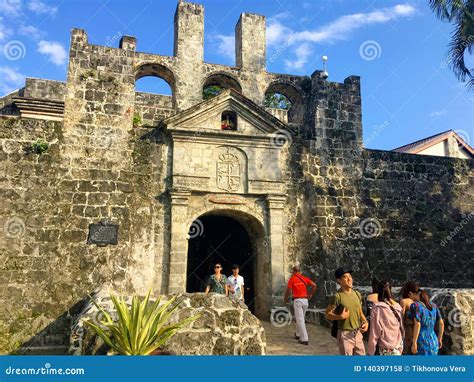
{"x": 397, "y": 47}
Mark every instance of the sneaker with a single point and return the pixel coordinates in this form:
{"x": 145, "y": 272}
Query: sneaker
{"x": 303, "y": 342}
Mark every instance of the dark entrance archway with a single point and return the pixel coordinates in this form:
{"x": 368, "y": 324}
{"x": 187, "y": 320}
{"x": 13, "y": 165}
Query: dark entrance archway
{"x": 220, "y": 238}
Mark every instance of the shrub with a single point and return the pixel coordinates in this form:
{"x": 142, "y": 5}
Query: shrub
{"x": 140, "y": 328}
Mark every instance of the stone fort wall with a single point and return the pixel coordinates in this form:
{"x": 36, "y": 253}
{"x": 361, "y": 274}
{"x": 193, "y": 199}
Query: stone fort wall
{"x": 100, "y": 166}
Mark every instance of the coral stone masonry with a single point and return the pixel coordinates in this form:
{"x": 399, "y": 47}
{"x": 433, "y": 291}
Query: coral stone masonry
{"x": 270, "y": 189}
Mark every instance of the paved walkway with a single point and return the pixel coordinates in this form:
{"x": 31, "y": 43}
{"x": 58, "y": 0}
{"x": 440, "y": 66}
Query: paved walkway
{"x": 282, "y": 341}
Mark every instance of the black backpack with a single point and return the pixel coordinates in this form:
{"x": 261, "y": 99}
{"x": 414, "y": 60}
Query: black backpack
{"x": 338, "y": 310}
{"x": 335, "y": 323}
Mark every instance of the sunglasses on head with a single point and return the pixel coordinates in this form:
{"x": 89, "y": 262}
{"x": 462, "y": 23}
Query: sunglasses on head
{"x": 217, "y": 267}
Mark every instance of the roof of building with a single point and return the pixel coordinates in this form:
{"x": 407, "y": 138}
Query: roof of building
{"x": 423, "y": 144}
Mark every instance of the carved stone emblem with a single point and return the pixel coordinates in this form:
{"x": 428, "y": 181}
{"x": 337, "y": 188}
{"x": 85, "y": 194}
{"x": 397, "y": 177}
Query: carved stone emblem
{"x": 228, "y": 171}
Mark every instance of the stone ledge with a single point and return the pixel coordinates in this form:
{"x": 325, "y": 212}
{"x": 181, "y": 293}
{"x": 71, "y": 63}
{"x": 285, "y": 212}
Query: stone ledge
{"x": 226, "y": 327}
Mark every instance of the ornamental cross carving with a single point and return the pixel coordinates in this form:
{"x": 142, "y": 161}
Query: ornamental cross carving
{"x": 228, "y": 171}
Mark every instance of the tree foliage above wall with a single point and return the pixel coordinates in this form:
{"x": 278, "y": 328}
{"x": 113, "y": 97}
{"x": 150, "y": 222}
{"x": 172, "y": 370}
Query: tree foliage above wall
{"x": 277, "y": 101}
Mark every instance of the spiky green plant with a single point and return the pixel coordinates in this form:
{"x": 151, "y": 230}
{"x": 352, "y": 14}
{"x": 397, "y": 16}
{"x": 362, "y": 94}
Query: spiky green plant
{"x": 140, "y": 328}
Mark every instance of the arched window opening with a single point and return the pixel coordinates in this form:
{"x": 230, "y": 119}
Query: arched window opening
{"x": 154, "y": 85}
{"x": 211, "y": 91}
{"x": 285, "y": 102}
{"x": 229, "y": 120}
{"x": 216, "y": 83}
{"x": 277, "y": 101}
{"x": 156, "y": 79}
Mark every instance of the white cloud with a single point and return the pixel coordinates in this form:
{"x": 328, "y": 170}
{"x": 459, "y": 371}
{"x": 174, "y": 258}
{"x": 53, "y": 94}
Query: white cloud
{"x": 31, "y": 31}
{"x": 4, "y": 31}
{"x": 226, "y": 45}
{"x": 55, "y": 51}
{"x": 302, "y": 54}
{"x": 404, "y": 9}
{"x": 282, "y": 37}
{"x": 438, "y": 113}
{"x": 10, "y": 80}
{"x": 343, "y": 27}
{"x": 39, "y": 7}
{"x": 277, "y": 32}
{"x": 11, "y": 7}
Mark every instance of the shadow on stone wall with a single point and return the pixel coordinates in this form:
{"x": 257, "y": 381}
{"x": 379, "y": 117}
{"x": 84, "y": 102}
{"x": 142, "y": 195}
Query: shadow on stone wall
{"x": 53, "y": 339}
{"x": 397, "y": 216}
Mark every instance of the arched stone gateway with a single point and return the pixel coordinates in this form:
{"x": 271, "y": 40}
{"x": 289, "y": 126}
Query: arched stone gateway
{"x": 223, "y": 194}
{"x": 230, "y": 237}
{"x": 228, "y": 229}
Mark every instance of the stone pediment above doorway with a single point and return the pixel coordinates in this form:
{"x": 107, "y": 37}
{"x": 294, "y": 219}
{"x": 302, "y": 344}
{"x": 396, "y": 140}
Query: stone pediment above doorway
{"x": 229, "y": 114}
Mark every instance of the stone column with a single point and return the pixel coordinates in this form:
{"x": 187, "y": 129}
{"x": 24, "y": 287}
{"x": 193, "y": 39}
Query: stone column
{"x": 277, "y": 254}
{"x": 178, "y": 241}
{"x": 189, "y": 53}
{"x": 452, "y": 147}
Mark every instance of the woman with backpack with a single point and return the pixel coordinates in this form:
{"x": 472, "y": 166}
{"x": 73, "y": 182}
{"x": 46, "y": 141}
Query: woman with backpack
{"x": 386, "y": 324}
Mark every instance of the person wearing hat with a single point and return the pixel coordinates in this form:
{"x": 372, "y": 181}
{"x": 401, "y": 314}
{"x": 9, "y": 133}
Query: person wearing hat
{"x": 298, "y": 288}
{"x": 350, "y": 317}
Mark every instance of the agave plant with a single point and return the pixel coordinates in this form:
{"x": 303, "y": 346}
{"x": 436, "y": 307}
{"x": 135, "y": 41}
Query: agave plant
{"x": 140, "y": 328}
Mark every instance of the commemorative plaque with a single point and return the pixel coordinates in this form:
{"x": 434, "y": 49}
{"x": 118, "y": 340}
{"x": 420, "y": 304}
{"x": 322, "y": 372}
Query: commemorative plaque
{"x": 103, "y": 233}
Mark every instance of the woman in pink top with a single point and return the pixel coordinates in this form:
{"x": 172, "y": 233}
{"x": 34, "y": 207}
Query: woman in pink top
{"x": 386, "y": 327}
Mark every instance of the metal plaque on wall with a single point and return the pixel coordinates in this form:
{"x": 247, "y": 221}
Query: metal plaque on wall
{"x": 103, "y": 233}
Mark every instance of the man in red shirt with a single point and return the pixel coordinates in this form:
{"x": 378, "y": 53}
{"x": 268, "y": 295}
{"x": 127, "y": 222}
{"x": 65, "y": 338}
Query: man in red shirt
{"x": 298, "y": 288}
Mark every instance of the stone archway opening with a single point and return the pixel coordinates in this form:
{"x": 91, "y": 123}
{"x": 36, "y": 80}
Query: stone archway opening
{"x": 156, "y": 79}
{"x": 229, "y": 239}
{"x": 287, "y": 97}
{"x": 218, "y": 82}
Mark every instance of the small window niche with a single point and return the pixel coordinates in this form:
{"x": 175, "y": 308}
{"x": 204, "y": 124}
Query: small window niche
{"x": 229, "y": 120}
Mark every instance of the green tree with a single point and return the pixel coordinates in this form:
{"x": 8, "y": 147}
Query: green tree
{"x": 461, "y": 14}
{"x": 211, "y": 91}
{"x": 277, "y": 101}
